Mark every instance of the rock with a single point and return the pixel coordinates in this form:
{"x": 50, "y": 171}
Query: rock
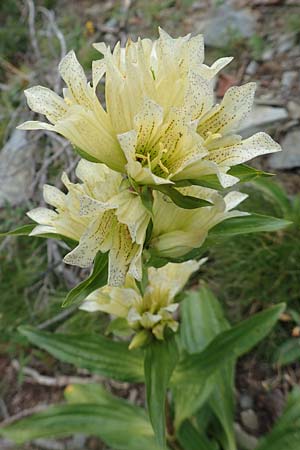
{"x": 246, "y": 402}
{"x": 293, "y": 109}
{"x": 251, "y": 68}
{"x": 289, "y": 158}
{"x": 262, "y": 117}
{"x": 249, "y": 419}
{"x": 285, "y": 43}
{"x": 226, "y": 24}
{"x": 288, "y": 78}
{"x": 244, "y": 440}
{"x": 267, "y": 54}
{"x": 16, "y": 169}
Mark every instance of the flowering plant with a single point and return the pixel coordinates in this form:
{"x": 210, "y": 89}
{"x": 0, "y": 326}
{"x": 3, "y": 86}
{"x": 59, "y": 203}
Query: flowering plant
{"x": 153, "y": 195}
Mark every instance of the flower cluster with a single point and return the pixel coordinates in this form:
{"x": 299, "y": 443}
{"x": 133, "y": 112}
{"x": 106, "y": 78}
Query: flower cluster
{"x": 160, "y": 129}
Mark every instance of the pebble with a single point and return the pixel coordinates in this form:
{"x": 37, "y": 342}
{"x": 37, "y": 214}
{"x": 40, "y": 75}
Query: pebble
{"x": 249, "y": 419}
{"x": 226, "y": 24}
{"x": 16, "y": 169}
{"x": 251, "y": 68}
{"x": 268, "y": 54}
{"x": 262, "y": 117}
{"x": 289, "y": 158}
{"x": 285, "y": 44}
{"x": 288, "y": 78}
{"x": 246, "y": 402}
{"x": 293, "y": 109}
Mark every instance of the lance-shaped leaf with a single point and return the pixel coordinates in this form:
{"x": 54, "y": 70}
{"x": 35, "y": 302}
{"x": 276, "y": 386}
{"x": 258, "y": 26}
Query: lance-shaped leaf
{"x": 119, "y": 424}
{"x": 253, "y": 223}
{"x": 228, "y": 345}
{"x": 191, "y": 439}
{"x": 25, "y": 230}
{"x": 286, "y": 432}
{"x": 202, "y": 320}
{"x": 244, "y": 172}
{"x": 198, "y": 369}
{"x": 97, "y": 279}
{"x": 181, "y": 200}
{"x": 160, "y": 361}
{"x": 95, "y": 353}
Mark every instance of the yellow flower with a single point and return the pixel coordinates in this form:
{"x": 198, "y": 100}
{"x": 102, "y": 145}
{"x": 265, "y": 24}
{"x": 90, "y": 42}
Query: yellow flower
{"x": 78, "y": 116}
{"x": 177, "y": 231}
{"x": 160, "y": 124}
{"x": 151, "y": 312}
{"x": 160, "y": 98}
{"x": 89, "y": 213}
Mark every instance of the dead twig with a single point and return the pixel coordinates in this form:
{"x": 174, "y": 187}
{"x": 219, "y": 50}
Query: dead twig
{"x": 33, "y": 376}
{"x": 58, "y": 318}
{"x": 32, "y": 31}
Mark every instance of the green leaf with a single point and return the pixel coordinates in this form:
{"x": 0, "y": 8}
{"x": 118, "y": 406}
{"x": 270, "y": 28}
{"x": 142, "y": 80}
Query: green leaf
{"x": 85, "y": 155}
{"x": 277, "y": 194}
{"x": 23, "y": 230}
{"x": 202, "y": 320}
{"x": 253, "y": 223}
{"x": 95, "y": 353}
{"x": 286, "y": 432}
{"x": 183, "y": 201}
{"x": 160, "y": 361}
{"x": 191, "y": 439}
{"x": 120, "y": 425}
{"x": 242, "y": 171}
{"x": 97, "y": 279}
{"x": 288, "y": 352}
{"x": 228, "y": 345}
{"x": 147, "y": 198}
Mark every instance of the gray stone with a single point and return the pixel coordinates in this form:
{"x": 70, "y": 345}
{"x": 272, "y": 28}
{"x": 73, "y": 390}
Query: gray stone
{"x": 244, "y": 440}
{"x": 285, "y": 43}
{"x": 249, "y": 419}
{"x": 246, "y": 402}
{"x": 293, "y": 109}
{"x": 226, "y": 24}
{"x": 16, "y": 169}
{"x": 262, "y": 117}
{"x": 289, "y": 158}
{"x": 268, "y": 54}
{"x": 288, "y": 78}
{"x": 251, "y": 68}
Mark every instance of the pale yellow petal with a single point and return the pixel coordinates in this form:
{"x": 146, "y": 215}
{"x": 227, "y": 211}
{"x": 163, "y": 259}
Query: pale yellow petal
{"x": 35, "y": 125}
{"x": 43, "y": 216}
{"x": 54, "y": 196}
{"x": 233, "y": 199}
{"x": 73, "y": 75}
{"x": 209, "y": 72}
{"x": 96, "y": 238}
{"x": 166, "y": 282}
{"x": 235, "y": 107}
{"x": 259, "y": 144}
{"x": 131, "y": 212}
{"x": 98, "y": 70}
{"x": 42, "y": 229}
{"x": 45, "y": 101}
